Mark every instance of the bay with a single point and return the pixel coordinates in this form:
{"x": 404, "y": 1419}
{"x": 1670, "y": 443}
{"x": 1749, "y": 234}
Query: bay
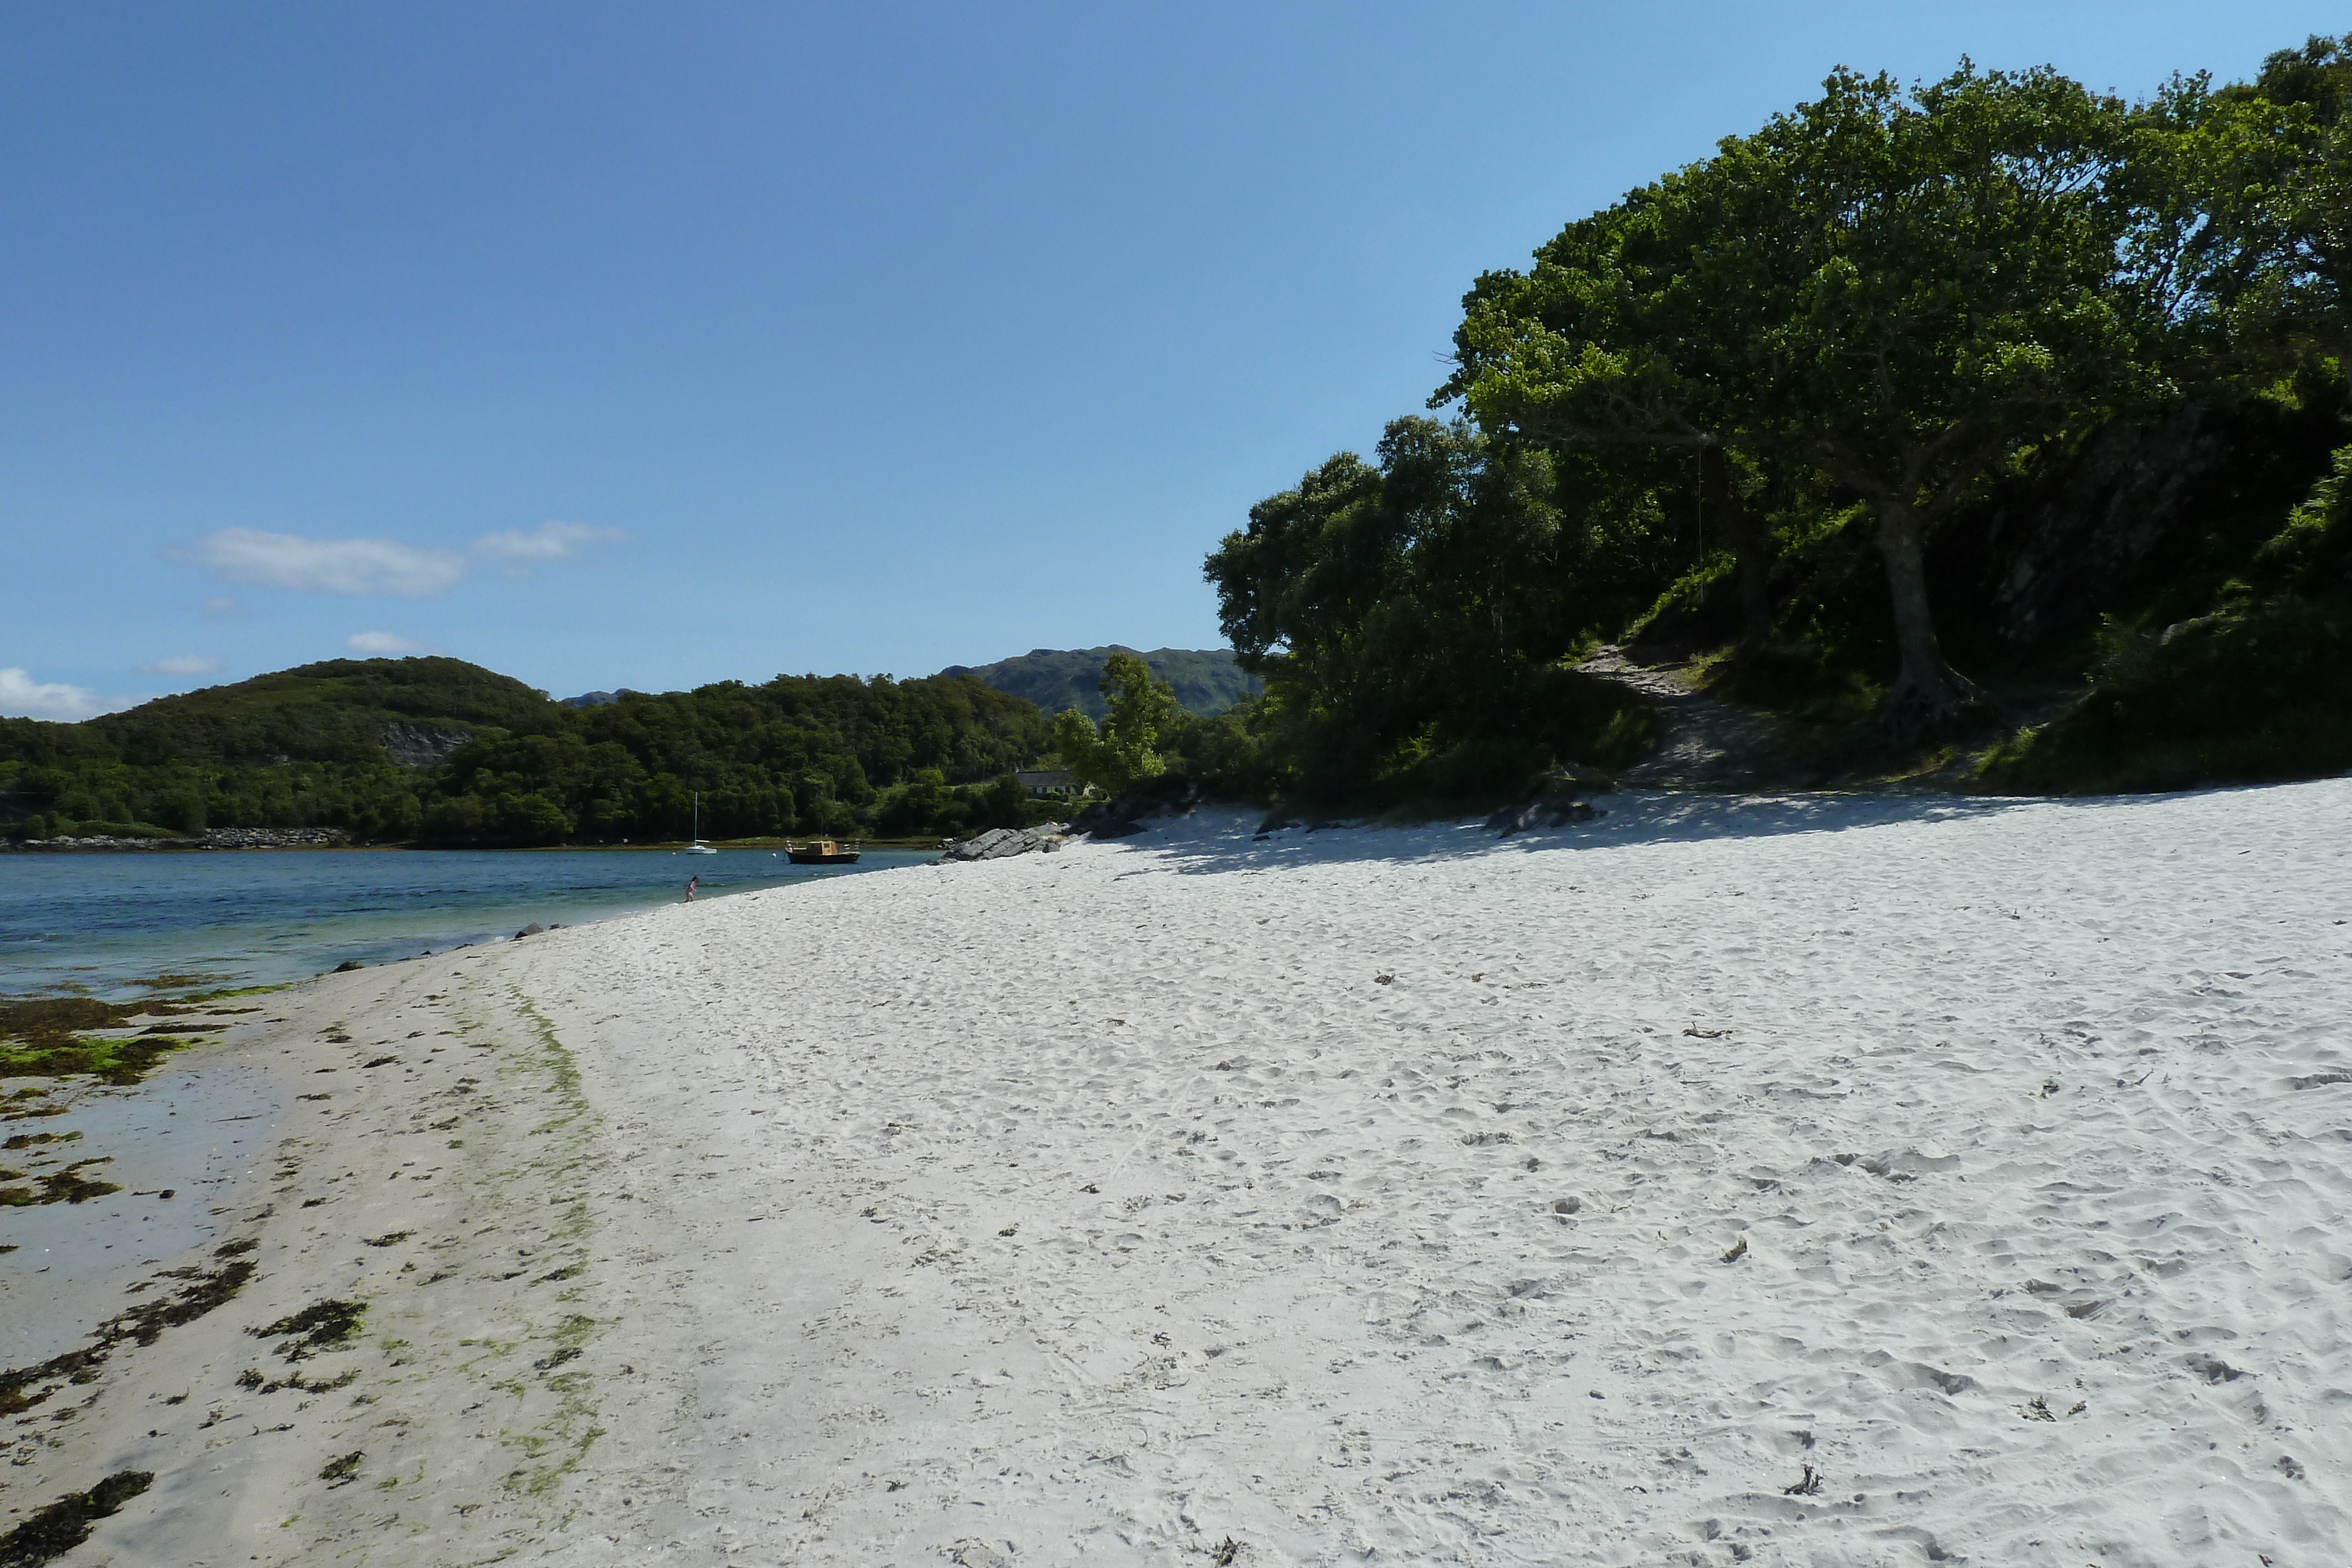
{"x": 100, "y": 924}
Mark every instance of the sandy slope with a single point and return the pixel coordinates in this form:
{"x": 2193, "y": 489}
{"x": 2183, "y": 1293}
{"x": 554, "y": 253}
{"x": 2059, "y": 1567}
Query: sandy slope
{"x": 1349, "y": 1197}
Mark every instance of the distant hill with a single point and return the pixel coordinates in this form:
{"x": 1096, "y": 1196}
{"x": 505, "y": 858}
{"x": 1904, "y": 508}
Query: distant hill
{"x": 437, "y": 750}
{"x": 1207, "y": 681}
{"x": 344, "y": 710}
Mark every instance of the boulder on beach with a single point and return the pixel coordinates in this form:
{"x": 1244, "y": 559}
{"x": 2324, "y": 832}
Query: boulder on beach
{"x": 998, "y": 843}
{"x": 1559, "y": 805}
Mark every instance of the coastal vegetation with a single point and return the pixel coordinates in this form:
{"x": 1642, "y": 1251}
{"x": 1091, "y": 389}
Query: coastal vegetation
{"x": 1139, "y": 717}
{"x": 437, "y": 750}
{"x": 1901, "y": 413}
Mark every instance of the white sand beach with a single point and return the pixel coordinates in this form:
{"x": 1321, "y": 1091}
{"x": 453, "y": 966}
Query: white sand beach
{"x": 1827, "y": 1181}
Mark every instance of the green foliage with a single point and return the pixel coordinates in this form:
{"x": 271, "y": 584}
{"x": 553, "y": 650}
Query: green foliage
{"x": 834, "y": 756}
{"x": 1411, "y": 620}
{"x": 2258, "y": 689}
{"x": 331, "y": 712}
{"x": 1140, "y": 717}
{"x": 309, "y": 749}
{"x": 1963, "y": 366}
{"x": 1080, "y": 745}
{"x": 1235, "y": 755}
{"x": 1906, "y": 291}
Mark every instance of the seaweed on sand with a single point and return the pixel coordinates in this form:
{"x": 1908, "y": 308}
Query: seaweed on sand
{"x": 57, "y": 1529}
{"x": 252, "y": 1379}
{"x": 32, "y": 1140}
{"x": 67, "y": 1185}
{"x": 51, "y": 1037}
{"x": 47, "y": 1037}
{"x": 23, "y": 1387}
{"x": 322, "y": 1325}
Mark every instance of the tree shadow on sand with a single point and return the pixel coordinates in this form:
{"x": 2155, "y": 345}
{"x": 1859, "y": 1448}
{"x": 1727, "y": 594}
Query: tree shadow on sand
{"x": 1217, "y": 841}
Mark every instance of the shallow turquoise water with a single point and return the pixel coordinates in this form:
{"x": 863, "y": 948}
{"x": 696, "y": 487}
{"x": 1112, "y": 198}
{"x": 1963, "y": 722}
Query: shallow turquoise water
{"x": 100, "y": 921}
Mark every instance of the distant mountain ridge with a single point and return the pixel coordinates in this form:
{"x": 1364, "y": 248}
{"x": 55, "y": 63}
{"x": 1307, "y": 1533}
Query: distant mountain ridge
{"x": 1207, "y": 680}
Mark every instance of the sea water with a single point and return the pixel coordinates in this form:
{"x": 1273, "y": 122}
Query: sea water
{"x": 101, "y": 924}
{"x": 96, "y": 923}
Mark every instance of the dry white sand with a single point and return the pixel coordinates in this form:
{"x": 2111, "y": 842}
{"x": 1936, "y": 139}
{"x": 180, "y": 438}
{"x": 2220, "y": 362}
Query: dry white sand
{"x": 1845, "y": 1181}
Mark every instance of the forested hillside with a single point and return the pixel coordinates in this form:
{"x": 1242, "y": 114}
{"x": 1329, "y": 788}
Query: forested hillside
{"x": 1906, "y": 411}
{"x": 442, "y": 751}
{"x": 1206, "y": 681}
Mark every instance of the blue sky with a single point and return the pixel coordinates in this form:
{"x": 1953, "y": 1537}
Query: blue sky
{"x": 656, "y": 345}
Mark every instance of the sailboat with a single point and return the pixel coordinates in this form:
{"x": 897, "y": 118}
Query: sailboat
{"x": 698, "y": 847}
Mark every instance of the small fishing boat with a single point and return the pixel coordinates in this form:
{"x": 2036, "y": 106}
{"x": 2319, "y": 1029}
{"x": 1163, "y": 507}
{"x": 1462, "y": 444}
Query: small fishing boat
{"x": 698, "y": 847}
{"x": 820, "y": 851}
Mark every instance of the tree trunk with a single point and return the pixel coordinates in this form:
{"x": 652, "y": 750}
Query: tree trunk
{"x": 1929, "y": 697}
{"x": 1747, "y": 547}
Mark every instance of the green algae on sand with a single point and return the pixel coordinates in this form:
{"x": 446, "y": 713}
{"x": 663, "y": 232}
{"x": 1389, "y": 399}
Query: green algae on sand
{"x": 55, "y": 1036}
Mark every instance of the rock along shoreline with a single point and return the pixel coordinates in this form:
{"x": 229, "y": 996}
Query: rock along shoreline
{"x": 217, "y": 838}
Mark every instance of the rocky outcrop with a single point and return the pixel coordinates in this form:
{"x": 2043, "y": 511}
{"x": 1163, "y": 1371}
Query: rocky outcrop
{"x": 999, "y": 842}
{"x": 273, "y": 837}
{"x": 411, "y": 745}
{"x": 218, "y": 839}
{"x": 1544, "y": 813}
{"x": 1560, "y": 803}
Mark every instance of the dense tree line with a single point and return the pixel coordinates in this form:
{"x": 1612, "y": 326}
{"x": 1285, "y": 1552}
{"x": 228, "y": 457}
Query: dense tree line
{"x": 836, "y": 755}
{"x": 1912, "y": 393}
{"x": 316, "y": 747}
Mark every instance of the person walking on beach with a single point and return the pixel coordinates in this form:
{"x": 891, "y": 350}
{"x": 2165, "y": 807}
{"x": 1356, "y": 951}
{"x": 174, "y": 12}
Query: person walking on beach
{"x": 690, "y": 886}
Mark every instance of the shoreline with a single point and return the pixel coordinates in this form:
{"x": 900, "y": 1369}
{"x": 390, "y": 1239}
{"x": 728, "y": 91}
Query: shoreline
{"x": 1829, "y": 1179}
{"x": 194, "y": 846}
{"x": 424, "y": 1128}
{"x": 102, "y": 926}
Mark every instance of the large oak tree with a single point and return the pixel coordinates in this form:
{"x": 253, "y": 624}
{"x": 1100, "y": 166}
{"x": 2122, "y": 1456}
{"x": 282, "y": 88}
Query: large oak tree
{"x": 1909, "y": 290}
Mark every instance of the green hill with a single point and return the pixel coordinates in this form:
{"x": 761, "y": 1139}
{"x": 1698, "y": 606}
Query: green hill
{"x": 336, "y": 744}
{"x": 344, "y": 710}
{"x": 1207, "y": 680}
{"x": 444, "y": 751}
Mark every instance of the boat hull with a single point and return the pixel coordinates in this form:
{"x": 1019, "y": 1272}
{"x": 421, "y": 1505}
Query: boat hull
{"x": 817, "y": 857}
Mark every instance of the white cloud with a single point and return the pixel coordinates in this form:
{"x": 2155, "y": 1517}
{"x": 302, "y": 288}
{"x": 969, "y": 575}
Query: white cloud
{"x": 184, "y": 664}
{"x": 383, "y": 644}
{"x": 547, "y": 542}
{"x": 330, "y": 566}
{"x": 222, "y": 605}
{"x": 21, "y": 697}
